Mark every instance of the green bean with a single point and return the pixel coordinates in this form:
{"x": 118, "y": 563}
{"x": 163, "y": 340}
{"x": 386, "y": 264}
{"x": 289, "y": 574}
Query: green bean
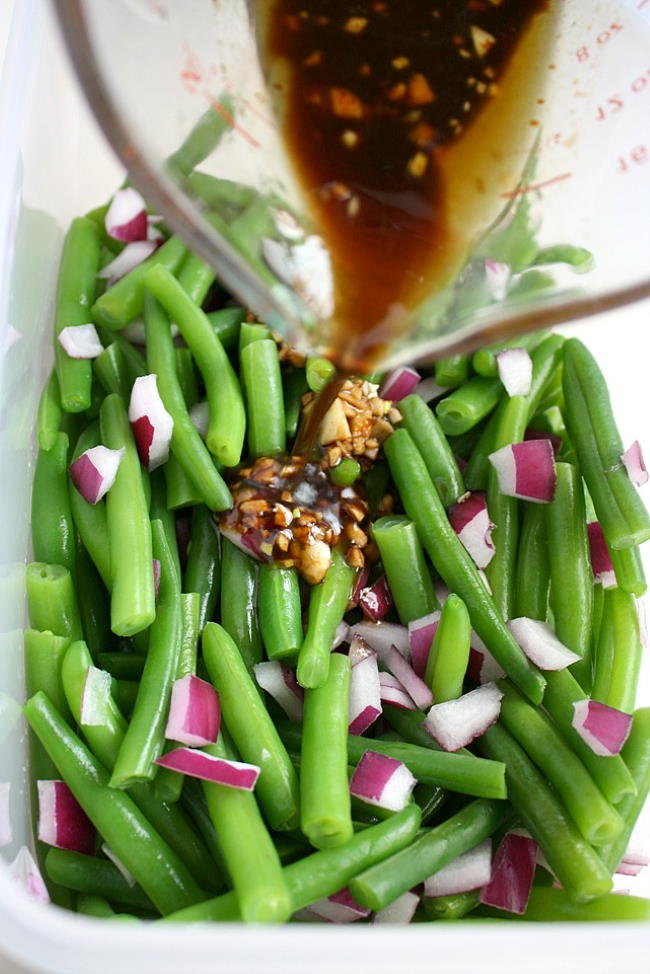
{"x": 129, "y": 530}
{"x": 452, "y": 371}
{"x": 148, "y": 858}
{"x": 50, "y": 413}
{"x": 44, "y": 653}
{"x": 220, "y": 194}
{"x": 570, "y": 568}
{"x": 478, "y": 467}
{"x": 90, "y": 519}
{"x": 94, "y": 877}
{"x": 187, "y": 376}
{"x": 295, "y": 386}
{"x": 323, "y": 873}
{"x": 111, "y": 370}
{"x": 262, "y": 383}
{"x": 53, "y": 539}
{"x": 346, "y": 472}
{"x": 195, "y": 277}
{"x": 628, "y": 568}
{"x": 533, "y": 572}
{"x": 76, "y": 287}
{"x": 251, "y": 727}
{"x": 181, "y": 489}
{"x": 187, "y": 445}
{"x": 125, "y": 693}
{"x": 159, "y": 510}
{"x": 449, "y": 654}
{"x": 381, "y": 884}
{"x": 573, "y": 861}
{"x": 251, "y": 331}
{"x": 594, "y": 434}
{"x": 467, "y": 405}
{"x": 279, "y": 611}
{"x": 226, "y": 323}
{"x": 253, "y": 863}
{"x": 134, "y": 362}
{"x": 227, "y": 416}
{"x": 376, "y": 481}
{"x": 618, "y": 658}
{"x": 451, "y": 907}
{"x": 406, "y": 569}
{"x": 485, "y": 360}
{"x": 94, "y": 906}
{"x": 327, "y": 604}
{"x": 428, "y": 436}
{"x": 239, "y": 588}
{"x": 203, "y": 138}
{"x": 423, "y": 506}
{"x": 318, "y": 372}
{"x": 636, "y": 754}
{"x": 597, "y": 821}
{"x": 93, "y": 601}
{"x": 51, "y": 600}
{"x": 431, "y": 799}
{"x": 122, "y": 665}
{"x": 549, "y": 905}
{"x": 143, "y": 741}
{"x": 124, "y": 301}
{"x": 202, "y": 574}
{"x": 325, "y": 815}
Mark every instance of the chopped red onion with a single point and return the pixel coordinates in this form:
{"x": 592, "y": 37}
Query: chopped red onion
{"x": 399, "y": 383}
{"x": 249, "y": 541}
{"x": 151, "y": 423}
{"x": 553, "y": 438}
{"x": 287, "y": 225}
{"x": 526, "y": 470}
{"x": 633, "y": 862}
{"x": 633, "y": 463}
{"x": 360, "y": 584}
{"x": 194, "y": 712}
{"x": 62, "y": 821}
{"x": 200, "y": 416}
{"x": 391, "y": 691}
{"x": 515, "y": 369}
{"x": 382, "y": 781}
{"x": 341, "y": 635}
{"x": 207, "y": 767}
{"x": 96, "y": 691}
{"x": 24, "y": 871}
{"x": 603, "y": 728}
{"x": 512, "y": 874}
{"x": 380, "y": 636}
{"x": 471, "y": 870}
{"x": 80, "y": 341}
{"x": 6, "y": 832}
{"x": 540, "y": 644}
{"x": 376, "y": 600}
{"x": 416, "y": 688}
{"x": 339, "y": 908}
{"x": 456, "y": 723}
{"x": 441, "y": 590}
{"x": 119, "y": 865}
{"x": 497, "y": 275}
{"x": 400, "y": 911}
{"x": 420, "y": 636}
{"x": 364, "y": 700}
{"x": 470, "y": 520}
{"x": 482, "y": 666}
{"x": 280, "y": 682}
{"x": 132, "y": 255}
{"x": 93, "y": 472}
{"x": 126, "y": 217}
{"x": 429, "y": 389}
{"x": 601, "y": 560}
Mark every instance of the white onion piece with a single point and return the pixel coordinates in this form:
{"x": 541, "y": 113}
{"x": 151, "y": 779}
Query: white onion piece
{"x": 93, "y": 472}
{"x": 194, "y": 712}
{"x": 633, "y": 862}
{"x": 471, "y": 870}
{"x": 643, "y": 624}
{"x": 526, "y": 470}
{"x": 399, "y": 383}
{"x": 400, "y": 911}
{"x": 80, "y": 341}
{"x": 339, "y": 908}
{"x": 200, "y": 416}
{"x": 512, "y": 874}
{"x": 416, "y": 688}
{"x": 126, "y": 217}
{"x": 391, "y": 691}
{"x": 470, "y": 520}
{"x": 540, "y": 644}
{"x": 428, "y": 389}
{"x": 24, "y": 871}
{"x": 151, "y": 423}
{"x": 515, "y": 369}
{"x": 280, "y": 682}
{"x": 119, "y": 865}
{"x": 601, "y": 560}
{"x": 604, "y": 729}
{"x": 420, "y": 635}
{"x": 634, "y": 464}
{"x": 207, "y": 767}
{"x": 341, "y": 635}
{"x": 286, "y": 224}
{"x": 382, "y": 781}
{"x": 94, "y": 697}
{"x": 365, "y": 699}
{"x": 497, "y": 275}
{"x": 9, "y": 338}
{"x": 62, "y": 821}
{"x": 132, "y": 255}
{"x": 6, "y": 832}
{"x": 456, "y": 723}
{"x": 380, "y": 636}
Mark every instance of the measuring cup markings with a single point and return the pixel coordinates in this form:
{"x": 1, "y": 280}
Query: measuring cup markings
{"x": 586, "y": 51}
{"x": 636, "y": 156}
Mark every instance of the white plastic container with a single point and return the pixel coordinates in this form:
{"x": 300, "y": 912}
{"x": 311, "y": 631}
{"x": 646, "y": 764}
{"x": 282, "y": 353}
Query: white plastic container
{"x": 53, "y": 166}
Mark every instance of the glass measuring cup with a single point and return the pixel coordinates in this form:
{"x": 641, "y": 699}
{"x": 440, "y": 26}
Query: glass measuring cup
{"x": 178, "y": 88}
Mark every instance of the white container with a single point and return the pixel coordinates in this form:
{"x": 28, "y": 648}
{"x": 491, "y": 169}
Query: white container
{"x": 53, "y": 166}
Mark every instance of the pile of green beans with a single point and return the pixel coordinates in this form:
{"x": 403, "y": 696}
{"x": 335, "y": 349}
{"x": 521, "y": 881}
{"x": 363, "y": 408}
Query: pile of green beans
{"x": 200, "y": 851}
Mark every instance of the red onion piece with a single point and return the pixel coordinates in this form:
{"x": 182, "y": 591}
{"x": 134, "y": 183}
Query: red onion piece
{"x": 360, "y": 584}
{"x": 470, "y": 520}
{"x": 207, "y": 767}
{"x": 429, "y": 389}
{"x": 416, "y": 688}
{"x": 553, "y": 438}
{"x": 540, "y": 644}
{"x": 151, "y": 423}
{"x": 96, "y": 691}
{"x": 420, "y": 636}
{"x": 93, "y": 472}
{"x": 6, "y": 831}
{"x": 512, "y": 874}
{"x": 471, "y": 870}
{"x": 80, "y": 341}
{"x": 382, "y": 781}
{"x": 280, "y": 682}
{"x": 339, "y": 908}
{"x": 400, "y": 911}
{"x": 24, "y": 871}
{"x": 601, "y": 560}
{"x": 126, "y": 217}
{"x": 200, "y": 416}
{"x": 482, "y": 666}
{"x": 633, "y": 862}
{"x": 62, "y": 821}
{"x": 376, "y": 600}
{"x": 380, "y": 636}
{"x": 391, "y": 691}
{"x": 119, "y": 865}
{"x": 399, "y": 383}
{"x": 634, "y": 464}
{"x": 250, "y": 541}
{"x": 364, "y": 700}
{"x": 456, "y": 723}
{"x": 515, "y": 369}
{"x": 603, "y": 728}
{"x": 194, "y": 712}
{"x": 132, "y": 255}
{"x": 526, "y": 470}
{"x": 497, "y": 275}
